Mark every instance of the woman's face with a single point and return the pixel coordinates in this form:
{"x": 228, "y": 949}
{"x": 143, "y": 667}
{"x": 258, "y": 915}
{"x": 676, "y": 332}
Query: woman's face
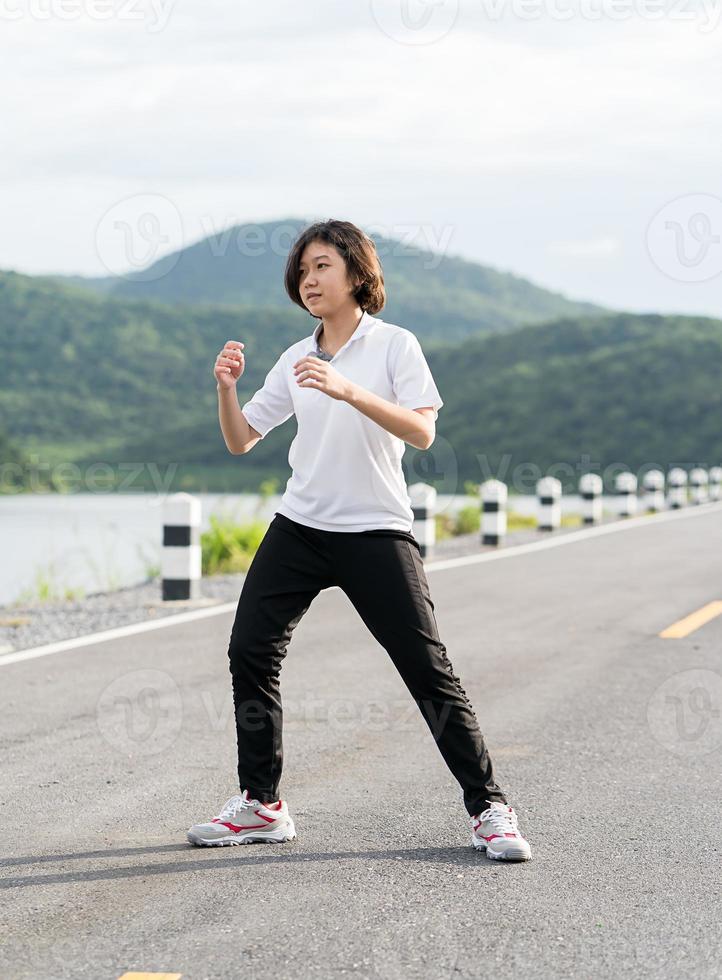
{"x": 323, "y": 282}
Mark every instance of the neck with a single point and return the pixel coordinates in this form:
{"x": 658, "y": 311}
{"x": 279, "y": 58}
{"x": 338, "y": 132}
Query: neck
{"x": 338, "y": 327}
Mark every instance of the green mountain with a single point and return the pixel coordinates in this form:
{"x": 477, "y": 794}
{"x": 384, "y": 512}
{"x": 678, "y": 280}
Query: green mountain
{"x": 14, "y": 467}
{"x": 625, "y": 391}
{"x": 83, "y": 375}
{"x": 129, "y": 384}
{"x": 442, "y": 298}
{"x": 603, "y": 394}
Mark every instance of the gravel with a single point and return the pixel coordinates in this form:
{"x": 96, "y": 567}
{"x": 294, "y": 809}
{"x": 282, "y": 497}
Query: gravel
{"x": 27, "y": 625}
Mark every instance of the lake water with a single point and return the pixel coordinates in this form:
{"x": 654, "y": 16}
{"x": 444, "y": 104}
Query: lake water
{"x": 103, "y": 541}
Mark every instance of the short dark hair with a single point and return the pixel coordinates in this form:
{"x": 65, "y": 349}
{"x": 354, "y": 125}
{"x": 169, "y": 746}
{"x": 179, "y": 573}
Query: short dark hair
{"x": 357, "y": 250}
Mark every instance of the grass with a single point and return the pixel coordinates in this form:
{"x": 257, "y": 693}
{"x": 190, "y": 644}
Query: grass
{"x": 47, "y": 589}
{"x": 468, "y": 521}
{"x": 229, "y": 547}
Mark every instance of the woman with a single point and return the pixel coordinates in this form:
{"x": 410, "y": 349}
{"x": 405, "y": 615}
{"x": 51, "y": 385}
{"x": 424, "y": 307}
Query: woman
{"x": 360, "y": 389}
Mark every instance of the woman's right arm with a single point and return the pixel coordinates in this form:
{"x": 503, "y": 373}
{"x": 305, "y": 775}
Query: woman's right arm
{"x": 239, "y": 436}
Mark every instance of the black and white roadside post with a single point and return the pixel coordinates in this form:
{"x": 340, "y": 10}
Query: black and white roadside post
{"x": 181, "y": 552}
{"x": 493, "y": 512}
{"x": 625, "y": 486}
{"x": 423, "y": 504}
{"x": 715, "y": 483}
{"x": 590, "y": 491}
{"x": 549, "y": 506}
{"x": 676, "y": 487}
{"x": 698, "y": 479}
{"x": 653, "y": 484}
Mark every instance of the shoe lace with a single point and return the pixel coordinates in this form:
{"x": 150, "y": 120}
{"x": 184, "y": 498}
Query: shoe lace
{"x": 232, "y": 806}
{"x": 504, "y": 821}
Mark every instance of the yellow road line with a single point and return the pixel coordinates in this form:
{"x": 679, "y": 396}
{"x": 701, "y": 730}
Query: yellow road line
{"x": 683, "y": 627}
{"x": 151, "y": 976}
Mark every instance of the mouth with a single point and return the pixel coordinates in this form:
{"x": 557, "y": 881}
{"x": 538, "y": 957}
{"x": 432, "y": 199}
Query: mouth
{"x": 312, "y": 296}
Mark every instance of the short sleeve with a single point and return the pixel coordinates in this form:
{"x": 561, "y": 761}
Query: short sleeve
{"x": 272, "y": 404}
{"x": 411, "y": 377}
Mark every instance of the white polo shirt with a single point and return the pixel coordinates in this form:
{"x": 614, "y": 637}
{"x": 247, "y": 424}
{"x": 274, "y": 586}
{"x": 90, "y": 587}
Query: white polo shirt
{"x": 347, "y": 473}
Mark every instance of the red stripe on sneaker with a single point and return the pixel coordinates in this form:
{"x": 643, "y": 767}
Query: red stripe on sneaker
{"x": 236, "y": 829}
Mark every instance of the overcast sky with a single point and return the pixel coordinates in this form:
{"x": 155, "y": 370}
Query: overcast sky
{"x": 576, "y": 144}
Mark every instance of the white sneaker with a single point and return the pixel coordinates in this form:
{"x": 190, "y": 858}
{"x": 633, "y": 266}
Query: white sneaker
{"x": 243, "y": 821}
{"x": 495, "y": 831}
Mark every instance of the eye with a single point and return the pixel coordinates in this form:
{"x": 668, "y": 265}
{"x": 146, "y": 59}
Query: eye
{"x": 301, "y": 271}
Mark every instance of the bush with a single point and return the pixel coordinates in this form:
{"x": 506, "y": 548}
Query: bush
{"x": 228, "y": 547}
{"x": 444, "y": 526}
{"x": 468, "y": 520}
{"x": 571, "y": 520}
{"x": 516, "y": 521}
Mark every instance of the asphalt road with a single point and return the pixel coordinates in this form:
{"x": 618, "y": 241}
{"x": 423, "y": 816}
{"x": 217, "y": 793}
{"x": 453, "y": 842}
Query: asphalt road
{"x": 605, "y": 737}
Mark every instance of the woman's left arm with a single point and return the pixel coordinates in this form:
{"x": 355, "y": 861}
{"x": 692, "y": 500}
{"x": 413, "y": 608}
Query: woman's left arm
{"x": 414, "y": 425}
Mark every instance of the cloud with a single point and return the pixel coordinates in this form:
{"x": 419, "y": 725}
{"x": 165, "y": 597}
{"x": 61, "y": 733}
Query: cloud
{"x": 584, "y": 249}
{"x": 206, "y": 97}
{"x": 568, "y": 132}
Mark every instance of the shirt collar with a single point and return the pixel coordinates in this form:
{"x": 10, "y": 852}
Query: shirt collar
{"x": 365, "y": 324}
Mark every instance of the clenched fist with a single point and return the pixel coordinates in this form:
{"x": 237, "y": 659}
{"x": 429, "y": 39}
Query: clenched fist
{"x": 229, "y": 364}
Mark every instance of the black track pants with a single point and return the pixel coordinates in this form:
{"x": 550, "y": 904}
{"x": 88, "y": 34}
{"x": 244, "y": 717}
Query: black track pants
{"x": 383, "y": 575}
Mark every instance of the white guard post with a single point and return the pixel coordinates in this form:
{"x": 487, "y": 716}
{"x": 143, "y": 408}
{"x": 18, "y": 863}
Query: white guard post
{"x": 493, "y": 512}
{"x": 549, "y": 497}
{"x": 625, "y": 485}
{"x": 715, "y": 483}
{"x": 590, "y": 490}
{"x": 181, "y": 552}
{"x": 653, "y": 484}
{"x": 423, "y": 504}
{"x": 676, "y": 487}
{"x": 698, "y": 479}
